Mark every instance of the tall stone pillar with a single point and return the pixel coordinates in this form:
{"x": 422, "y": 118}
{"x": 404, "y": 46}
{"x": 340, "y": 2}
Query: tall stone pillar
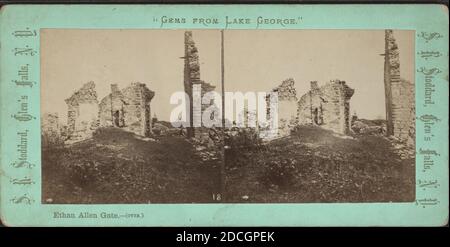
{"x": 192, "y": 77}
{"x": 391, "y": 76}
{"x": 191, "y": 74}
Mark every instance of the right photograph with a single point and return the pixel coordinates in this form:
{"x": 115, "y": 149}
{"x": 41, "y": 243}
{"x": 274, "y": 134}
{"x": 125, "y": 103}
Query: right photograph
{"x": 339, "y": 119}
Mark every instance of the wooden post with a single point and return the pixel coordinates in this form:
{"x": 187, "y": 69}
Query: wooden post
{"x": 222, "y": 164}
{"x": 223, "y": 78}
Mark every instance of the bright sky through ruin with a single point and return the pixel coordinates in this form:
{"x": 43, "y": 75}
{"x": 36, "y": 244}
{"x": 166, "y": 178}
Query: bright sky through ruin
{"x": 255, "y": 60}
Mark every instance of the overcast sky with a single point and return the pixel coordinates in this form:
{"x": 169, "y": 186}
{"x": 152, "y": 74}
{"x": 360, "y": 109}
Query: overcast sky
{"x": 255, "y": 60}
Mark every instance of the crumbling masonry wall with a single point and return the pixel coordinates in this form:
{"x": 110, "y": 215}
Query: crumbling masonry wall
{"x": 128, "y": 108}
{"x": 400, "y": 95}
{"x": 403, "y": 110}
{"x": 287, "y": 107}
{"x": 50, "y": 130}
{"x": 82, "y": 115}
{"x": 327, "y": 106}
{"x": 192, "y": 77}
{"x": 111, "y": 108}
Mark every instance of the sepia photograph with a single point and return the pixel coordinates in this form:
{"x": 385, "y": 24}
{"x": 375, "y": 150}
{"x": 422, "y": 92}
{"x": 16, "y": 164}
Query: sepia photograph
{"x": 143, "y": 116}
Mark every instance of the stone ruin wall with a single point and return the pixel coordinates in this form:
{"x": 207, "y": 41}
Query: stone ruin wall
{"x": 287, "y": 107}
{"x": 50, "y": 130}
{"x": 192, "y": 77}
{"x": 106, "y": 109}
{"x": 400, "y": 95}
{"x": 136, "y": 109}
{"x": 403, "y": 111}
{"x": 82, "y": 118}
{"x": 327, "y": 106}
{"x": 128, "y": 109}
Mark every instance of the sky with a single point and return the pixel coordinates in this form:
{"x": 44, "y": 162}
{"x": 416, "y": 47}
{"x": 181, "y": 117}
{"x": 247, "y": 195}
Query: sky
{"x": 255, "y": 60}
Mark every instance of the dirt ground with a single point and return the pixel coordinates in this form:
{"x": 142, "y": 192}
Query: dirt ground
{"x": 311, "y": 165}
{"x": 116, "y": 167}
{"x": 315, "y": 165}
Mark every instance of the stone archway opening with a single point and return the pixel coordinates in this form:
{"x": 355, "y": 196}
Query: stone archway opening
{"x": 116, "y": 117}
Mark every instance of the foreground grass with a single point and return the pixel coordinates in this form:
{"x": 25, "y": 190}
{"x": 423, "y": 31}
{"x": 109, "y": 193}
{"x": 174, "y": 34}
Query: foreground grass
{"x": 116, "y": 167}
{"x": 313, "y": 165}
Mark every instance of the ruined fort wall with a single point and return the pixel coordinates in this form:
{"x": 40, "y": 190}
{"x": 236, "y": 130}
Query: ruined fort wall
{"x": 403, "y": 111}
{"x": 128, "y": 109}
{"x": 287, "y": 106}
{"x": 82, "y": 111}
{"x": 72, "y": 113}
{"x": 111, "y": 109}
{"x": 391, "y": 76}
{"x": 50, "y": 130}
{"x": 191, "y": 73}
{"x": 287, "y": 117}
{"x": 146, "y": 96}
{"x": 304, "y": 110}
{"x": 133, "y": 109}
{"x": 105, "y": 112}
{"x": 400, "y": 94}
{"x": 200, "y": 132}
{"x": 192, "y": 77}
{"x": 326, "y": 106}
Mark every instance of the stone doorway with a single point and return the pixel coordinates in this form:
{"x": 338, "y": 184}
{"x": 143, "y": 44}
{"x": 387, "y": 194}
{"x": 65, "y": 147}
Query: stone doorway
{"x": 116, "y": 118}
{"x": 317, "y": 116}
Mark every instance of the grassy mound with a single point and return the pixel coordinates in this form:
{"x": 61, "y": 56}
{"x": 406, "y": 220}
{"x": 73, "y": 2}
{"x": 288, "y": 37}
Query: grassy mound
{"x": 117, "y": 167}
{"x": 315, "y": 165}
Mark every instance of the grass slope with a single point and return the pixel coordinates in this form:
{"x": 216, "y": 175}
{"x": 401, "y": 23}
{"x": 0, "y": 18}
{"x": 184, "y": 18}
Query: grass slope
{"x": 314, "y": 165}
{"x": 117, "y": 167}
{"x": 311, "y": 165}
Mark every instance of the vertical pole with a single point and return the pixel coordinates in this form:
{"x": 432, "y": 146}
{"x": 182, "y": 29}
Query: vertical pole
{"x": 223, "y": 78}
{"x": 222, "y": 164}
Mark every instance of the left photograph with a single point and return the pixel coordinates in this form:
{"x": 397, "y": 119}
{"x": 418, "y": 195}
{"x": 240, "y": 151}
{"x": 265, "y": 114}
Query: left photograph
{"x": 107, "y": 98}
